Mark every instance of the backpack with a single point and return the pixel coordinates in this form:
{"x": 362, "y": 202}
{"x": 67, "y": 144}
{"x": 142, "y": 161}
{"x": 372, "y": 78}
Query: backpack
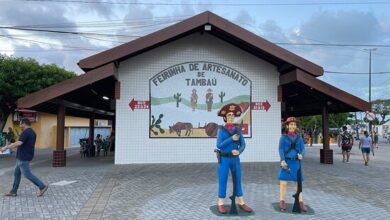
{"x": 346, "y": 139}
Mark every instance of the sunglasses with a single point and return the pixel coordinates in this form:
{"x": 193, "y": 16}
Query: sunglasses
{"x": 230, "y": 115}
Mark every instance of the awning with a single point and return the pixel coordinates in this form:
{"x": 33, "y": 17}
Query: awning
{"x": 303, "y": 95}
{"x": 82, "y": 95}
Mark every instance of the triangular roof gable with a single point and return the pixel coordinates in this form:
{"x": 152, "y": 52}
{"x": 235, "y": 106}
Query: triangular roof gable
{"x": 219, "y": 27}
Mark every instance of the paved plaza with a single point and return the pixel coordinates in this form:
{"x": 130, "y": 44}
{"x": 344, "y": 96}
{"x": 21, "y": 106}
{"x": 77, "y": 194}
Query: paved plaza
{"x": 187, "y": 191}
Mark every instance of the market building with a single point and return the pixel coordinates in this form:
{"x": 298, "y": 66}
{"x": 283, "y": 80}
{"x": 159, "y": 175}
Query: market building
{"x": 45, "y": 126}
{"x": 163, "y": 91}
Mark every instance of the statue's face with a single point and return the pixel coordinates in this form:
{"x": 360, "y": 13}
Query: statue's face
{"x": 229, "y": 118}
{"x": 292, "y": 126}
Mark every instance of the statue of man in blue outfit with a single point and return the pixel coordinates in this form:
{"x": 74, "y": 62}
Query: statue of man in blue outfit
{"x": 291, "y": 150}
{"x": 230, "y": 144}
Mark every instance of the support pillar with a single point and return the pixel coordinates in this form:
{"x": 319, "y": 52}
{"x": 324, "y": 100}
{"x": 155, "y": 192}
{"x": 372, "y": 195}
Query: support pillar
{"x": 91, "y": 129}
{"x": 59, "y": 155}
{"x": 91, "y": 135}
{"x": 326, "y": 154}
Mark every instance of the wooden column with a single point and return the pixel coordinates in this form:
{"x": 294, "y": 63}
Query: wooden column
{"x": 325, "y": 126}
{"x": 59, "y": 155}
{"x": 326, "y": 154}
{"x": 91, "y": 134}
{"x": 91, "y": 129}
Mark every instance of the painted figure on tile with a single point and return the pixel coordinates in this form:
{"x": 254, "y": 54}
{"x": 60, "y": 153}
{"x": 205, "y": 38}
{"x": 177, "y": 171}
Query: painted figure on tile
{"x": 230, "y": 144}
{"x": 291, "y": 151}
{"x": 209, "y": 99}
{"x": 194, "y": 99}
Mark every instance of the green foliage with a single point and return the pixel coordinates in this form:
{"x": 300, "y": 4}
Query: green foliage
{"x": 310, "y": 122}
{"x": 334, "y": 133}
{"x": 22, "y": 76}
{"x": 3, "y": 137}
{"x": 156, "y": 124}
{"x": 335, "y": 121}
{"x": 338, "y": 120}
{"x": 382, "y": 108}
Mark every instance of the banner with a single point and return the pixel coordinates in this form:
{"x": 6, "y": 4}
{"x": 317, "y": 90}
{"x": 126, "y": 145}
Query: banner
{"x": 185, "y": 99}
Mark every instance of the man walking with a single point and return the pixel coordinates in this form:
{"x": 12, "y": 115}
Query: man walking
{"x": 25, "y": 153}
{"x": 376, "y": 139}
{"x": 365, "y": 144}
{"x": 345, "y": 142}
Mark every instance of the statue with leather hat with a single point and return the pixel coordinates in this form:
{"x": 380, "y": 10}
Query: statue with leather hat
{"x": 291, "y": 152}
{"x": 230, "y": 144}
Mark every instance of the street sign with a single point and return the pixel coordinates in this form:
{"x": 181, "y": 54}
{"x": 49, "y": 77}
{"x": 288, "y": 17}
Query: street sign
{"x": 370, "y": 116}
{"x": 138, "y": 104}
{"x": 260, "y": 105}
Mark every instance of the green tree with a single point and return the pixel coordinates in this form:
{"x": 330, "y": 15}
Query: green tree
{"x": 382, "y": 108}
{"x": 310, "y": 122}
{"x": 339, "y": 119}
{"x": 22, "y": 76}
{"x": 335, "y": 121}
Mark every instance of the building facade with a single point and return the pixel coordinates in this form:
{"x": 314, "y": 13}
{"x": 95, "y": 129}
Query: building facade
{"x": 162, "y": 91}
{"x": 134, "y": 143}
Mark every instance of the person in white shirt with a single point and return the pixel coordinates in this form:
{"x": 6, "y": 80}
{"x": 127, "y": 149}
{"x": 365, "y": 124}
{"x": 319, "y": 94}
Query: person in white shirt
{"x": 366, "y": 145}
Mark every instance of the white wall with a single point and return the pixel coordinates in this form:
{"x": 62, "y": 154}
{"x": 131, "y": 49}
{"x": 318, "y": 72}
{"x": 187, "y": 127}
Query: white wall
{"x": 133, "y": 144}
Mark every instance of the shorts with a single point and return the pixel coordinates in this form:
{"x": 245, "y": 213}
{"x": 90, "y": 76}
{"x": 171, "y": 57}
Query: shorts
{"x": 347, "y": 149}
{"x": 365, "y": 150}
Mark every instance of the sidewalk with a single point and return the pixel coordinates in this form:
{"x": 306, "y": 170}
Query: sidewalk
{"x": 186, "y": 191}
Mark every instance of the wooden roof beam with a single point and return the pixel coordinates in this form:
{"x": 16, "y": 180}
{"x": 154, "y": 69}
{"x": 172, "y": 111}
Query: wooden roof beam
{"x": 300, "y": 76}
{"x": 66, "y": 86}
{"x": 77, "y": 106}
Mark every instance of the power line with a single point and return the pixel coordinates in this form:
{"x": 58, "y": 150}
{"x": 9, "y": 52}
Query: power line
{"x": 106, "y": 23}
{"x": 356, "y": 73}
{"x": 211, "y": 4}
{"x": 121, "y": 35}
{"x": 86, "y": 33}
{"x": 333, "y": 45}
{"x": 43, "y": 50}
{"x": 47, "y": 43}
{"x": 67, "y": 32}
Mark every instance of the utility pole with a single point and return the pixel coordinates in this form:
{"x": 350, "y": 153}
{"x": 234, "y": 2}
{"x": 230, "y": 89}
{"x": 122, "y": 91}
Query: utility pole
{"x": 369, "y": 85}
{"x": 357, "y": 126}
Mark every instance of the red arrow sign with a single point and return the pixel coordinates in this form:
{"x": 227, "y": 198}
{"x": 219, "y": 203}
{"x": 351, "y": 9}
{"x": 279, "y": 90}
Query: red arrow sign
{"x": 261, "y": 105}
{"x": 139, "y": 104}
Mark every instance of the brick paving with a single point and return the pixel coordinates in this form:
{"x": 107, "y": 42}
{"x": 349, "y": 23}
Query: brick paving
{"x": 186, "y": 191}
{"x": 59, "y": 202}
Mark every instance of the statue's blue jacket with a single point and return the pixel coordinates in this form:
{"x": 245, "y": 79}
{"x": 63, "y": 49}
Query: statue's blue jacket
{"x": 290, "y": 157}
{"x": 226, "y": 144}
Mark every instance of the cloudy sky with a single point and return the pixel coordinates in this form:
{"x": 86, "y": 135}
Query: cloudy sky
{"x": 334, "y": 34}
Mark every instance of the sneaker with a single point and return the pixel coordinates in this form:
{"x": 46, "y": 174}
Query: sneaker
{"x": 343, "y": 160}
{"x": 42, "y": 191}
{"x": 10, "y": 194}
{"x": 348, "y": 161}
{"x": 365, "y": 164}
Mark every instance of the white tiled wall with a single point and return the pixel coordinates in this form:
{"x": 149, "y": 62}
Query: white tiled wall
{"x": 132, "y": 127}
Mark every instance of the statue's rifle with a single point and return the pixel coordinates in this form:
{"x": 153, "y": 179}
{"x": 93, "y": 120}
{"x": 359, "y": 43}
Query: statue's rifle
{"x": 233, "y": 207}
{"x": 296, "y": 207}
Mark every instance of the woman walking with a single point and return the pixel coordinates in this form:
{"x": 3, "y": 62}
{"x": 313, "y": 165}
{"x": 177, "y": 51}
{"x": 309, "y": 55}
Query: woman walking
{"x": 365, "y": 144}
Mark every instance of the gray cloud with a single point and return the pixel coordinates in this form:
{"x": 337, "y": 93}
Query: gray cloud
{"x": 325, "y": 26}
{"x": 18, "y": 13}
{"x": 52, "y": 17}
{"x": 101, "y": 10}
{"x": 343, "y": 27}
{"x": 273, "y": 32}
{"x": 244, "y": 17}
